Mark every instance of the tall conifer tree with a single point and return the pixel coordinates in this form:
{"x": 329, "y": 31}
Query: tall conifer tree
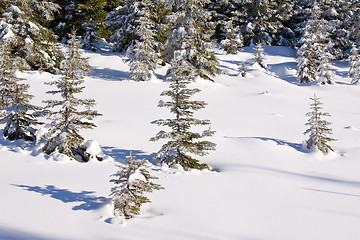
{"x": 15, "y": 99}
{"x": 67, "y": 115}
{"x": 183, "y": 143}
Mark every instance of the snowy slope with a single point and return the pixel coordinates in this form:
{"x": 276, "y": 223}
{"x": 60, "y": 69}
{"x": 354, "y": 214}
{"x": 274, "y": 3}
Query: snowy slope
{"x": 264, "y": 185}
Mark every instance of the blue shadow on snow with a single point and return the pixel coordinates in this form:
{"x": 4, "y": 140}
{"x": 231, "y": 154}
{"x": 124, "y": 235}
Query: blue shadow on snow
{"x": 86, "y": 198}
{"x": 120, "y": 154}
{"x": 14, "y": 234}
{"x": 109, "y": 74}
{"x": 296, "y": 146}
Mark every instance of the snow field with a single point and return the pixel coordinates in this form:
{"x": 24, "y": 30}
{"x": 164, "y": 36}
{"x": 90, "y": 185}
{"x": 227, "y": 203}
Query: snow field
{"x": 264, "y": 184}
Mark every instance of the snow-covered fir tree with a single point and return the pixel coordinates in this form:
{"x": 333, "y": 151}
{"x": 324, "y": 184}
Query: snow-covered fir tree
{"x": 324, "y": 74}
{"x": 91, "y": 35}
{"x": 183, "y": 143}
{"x": 233, "y": 40}
{"x": 70, "y": 114}
{"x": 7, "y": 69}
{"x": 160, "y": 12}
{"x": 190, "y": 35}
{"x": 80, "y": 14}
{"x": 314, "y": 45}
{"x": 15, "y": 99}
{"x": 259, "y": 56}
{"x": 2, "y": 6}
{"x": 263, "y": 21}
{"x": 122, "y": 21}
{"x": 131, "y": 182}
{"x": 336, "y": 14}
{"x": 354, "y": 31}
{"x": 142, "y": 56}
{"x": 28, "y": 39}
{"x": 354, "y": 71}
{"x": 259, "y": 21}
{"x": 319, "y": 129}
{"x": 306, "y": 64}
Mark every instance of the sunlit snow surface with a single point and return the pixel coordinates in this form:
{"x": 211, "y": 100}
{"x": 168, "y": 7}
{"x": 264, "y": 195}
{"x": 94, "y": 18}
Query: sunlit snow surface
{"x": 264, "y": 184}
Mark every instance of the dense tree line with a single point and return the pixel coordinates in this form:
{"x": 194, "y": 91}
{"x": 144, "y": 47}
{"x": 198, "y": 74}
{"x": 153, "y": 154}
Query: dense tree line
{"x": 232, "y": 23}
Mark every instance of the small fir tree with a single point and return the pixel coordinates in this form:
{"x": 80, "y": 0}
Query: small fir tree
{"x": 19, "y": 123}
{"x": 182, "y": 141}
{"x": 318, "y": 128}
{"x": 259, "y": 56}
{"x": 132, "y": 181}
{"x": 243, "y": 69}
{"x": 354, "y": 71}
{"x": 68, "y": 119}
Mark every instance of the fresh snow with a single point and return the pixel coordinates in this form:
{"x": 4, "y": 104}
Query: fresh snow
{"x": 264, "y": 185}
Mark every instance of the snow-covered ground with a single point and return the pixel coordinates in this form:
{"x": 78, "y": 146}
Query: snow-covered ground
{"x": 264, "y": 184}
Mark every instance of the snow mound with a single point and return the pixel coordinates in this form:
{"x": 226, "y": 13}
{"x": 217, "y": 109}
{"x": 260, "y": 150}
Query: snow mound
{"x": 92, "y": 151}
{"x": 92, "y": 147}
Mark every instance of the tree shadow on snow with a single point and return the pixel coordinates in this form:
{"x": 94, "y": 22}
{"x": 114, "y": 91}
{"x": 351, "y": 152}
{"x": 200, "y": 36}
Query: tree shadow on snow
{"x": 236, "y": 65}
{"x": 109, "y": 74}
{"x": 14, "y": 234}
{"x": 120, "y": 154}
{"x": 297, "y": 146}
{"x": 283, "y": 71}
{"x": 331, "y": 192}
{"x": 315, "y": 177}
{"x": 88, "y": 201}
{"x": 17, "y": 146}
